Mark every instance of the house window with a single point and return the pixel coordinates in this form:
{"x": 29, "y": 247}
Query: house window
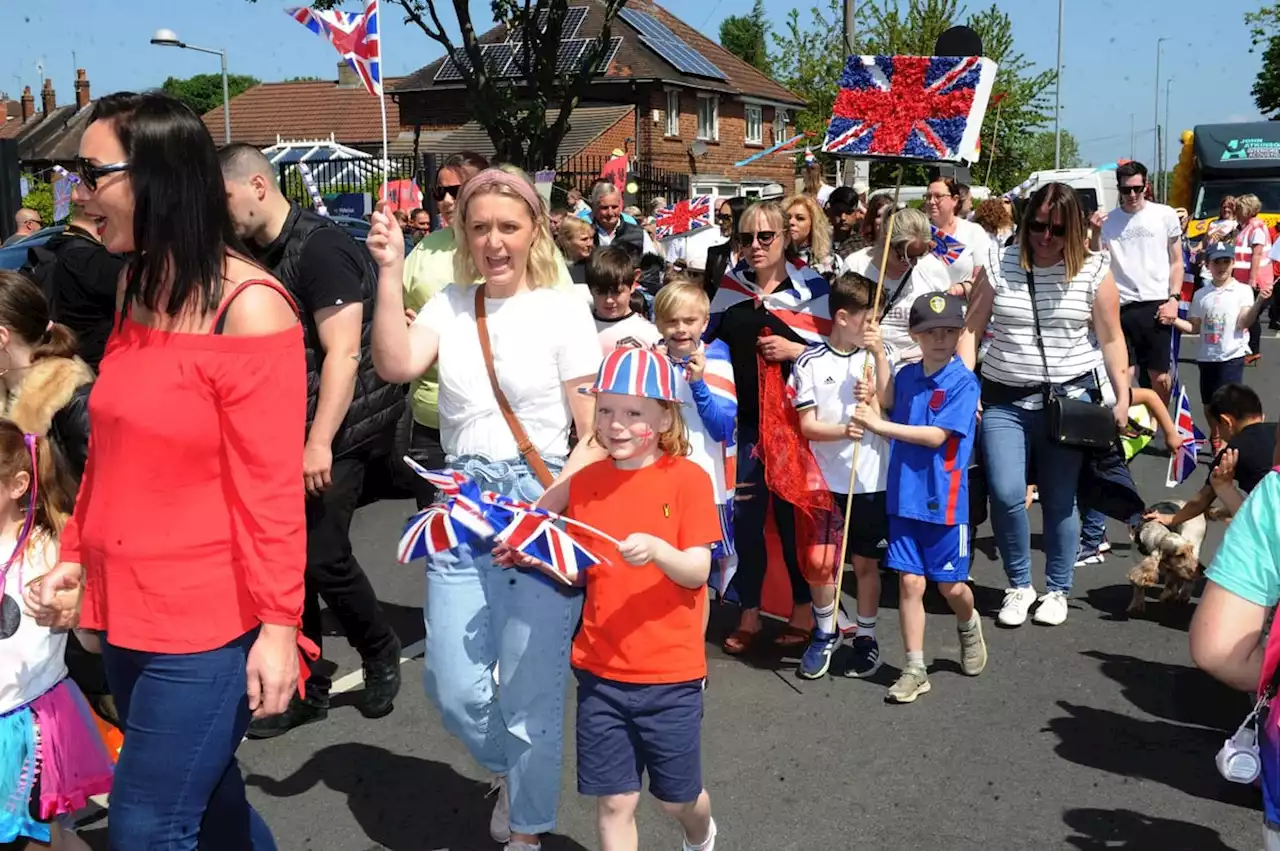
{"x": 708, "y": 117}
{"x": 755, "y": 125}
{"x": 673, "y": 112}
{"x": 779, "y": 126}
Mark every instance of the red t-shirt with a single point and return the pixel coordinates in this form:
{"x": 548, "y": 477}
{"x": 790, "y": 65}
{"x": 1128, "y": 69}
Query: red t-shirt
{"x": 637, "y": 625}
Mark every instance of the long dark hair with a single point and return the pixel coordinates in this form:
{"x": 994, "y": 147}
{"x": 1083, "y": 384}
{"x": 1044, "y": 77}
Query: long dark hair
{"x": 181, "y": 226}
{"x": 25, "y": 312}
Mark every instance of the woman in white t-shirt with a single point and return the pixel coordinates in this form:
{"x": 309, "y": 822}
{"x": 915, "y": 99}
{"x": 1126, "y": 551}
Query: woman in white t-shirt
{"x": 479, "y": 615}
{"x": 942, "y": 201}
{"x": 1079, "y": 324}
{"x": 910, "y": 271}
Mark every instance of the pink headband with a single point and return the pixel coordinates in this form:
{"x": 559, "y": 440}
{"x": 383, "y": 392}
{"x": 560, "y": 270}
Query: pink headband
{"x": 497, "y": 177}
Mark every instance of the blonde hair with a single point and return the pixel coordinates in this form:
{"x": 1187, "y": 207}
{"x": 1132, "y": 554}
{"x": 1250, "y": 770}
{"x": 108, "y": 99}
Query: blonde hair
{"x": 541, "y": 269}
{"x": 819, "y": 226}
{"x": 1247, "y": 206}
{"x": 771, "y": 212}
{"x": 680, "y": 290}
{"x": 570, "y": 226}
{"x": 909, "y": 225}
{"x": 674, "y": 440}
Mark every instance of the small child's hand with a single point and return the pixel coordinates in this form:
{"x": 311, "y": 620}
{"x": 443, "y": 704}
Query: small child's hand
{"x": 638, "y": 548}
{"x": 864, "y": 391}
{"x": 865, "y": 416}
{"x": 1173, "y": 441}
{"x": 853, "y": 431}
{"x": 696, "y": 367}
{"x": 871, "y": 339}
{"x": 1224, "y": 473}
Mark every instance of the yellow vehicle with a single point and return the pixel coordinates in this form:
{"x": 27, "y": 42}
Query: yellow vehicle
{"x": 1227, "y": 159}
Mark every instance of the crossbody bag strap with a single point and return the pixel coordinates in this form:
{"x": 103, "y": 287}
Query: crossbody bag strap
{"x": 893, "y": 299}
{"x": 525, "y": 446}
{"x": 1035, "y": 319}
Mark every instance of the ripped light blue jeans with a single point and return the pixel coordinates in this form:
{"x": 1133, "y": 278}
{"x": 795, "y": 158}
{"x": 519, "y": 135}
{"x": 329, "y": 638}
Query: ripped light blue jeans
{"x": 479, "y": 615}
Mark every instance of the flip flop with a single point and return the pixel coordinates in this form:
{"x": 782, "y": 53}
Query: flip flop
{"x": 792, "y": 637}
{"x": 739, "y": 641}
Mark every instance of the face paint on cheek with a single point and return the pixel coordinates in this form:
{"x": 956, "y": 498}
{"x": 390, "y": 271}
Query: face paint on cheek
{"x": 647, "y": 435}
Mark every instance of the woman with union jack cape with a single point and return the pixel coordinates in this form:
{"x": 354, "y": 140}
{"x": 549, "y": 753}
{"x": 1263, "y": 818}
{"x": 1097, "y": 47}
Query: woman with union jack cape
{"x": 768, "y": 311}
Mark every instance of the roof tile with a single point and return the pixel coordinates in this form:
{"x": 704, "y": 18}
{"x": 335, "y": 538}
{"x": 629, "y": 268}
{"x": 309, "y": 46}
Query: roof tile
{"x": 305, "y": 110}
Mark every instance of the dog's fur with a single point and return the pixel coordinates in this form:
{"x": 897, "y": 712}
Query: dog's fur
{"x": 1169, "y": 555}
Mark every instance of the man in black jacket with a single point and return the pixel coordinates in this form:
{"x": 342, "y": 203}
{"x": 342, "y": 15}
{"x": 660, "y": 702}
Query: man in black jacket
{"x": 351, "y": 417}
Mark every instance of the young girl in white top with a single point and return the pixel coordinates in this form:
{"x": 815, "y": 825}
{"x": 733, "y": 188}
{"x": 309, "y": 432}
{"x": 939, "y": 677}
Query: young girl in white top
{"x": 51, "y": 757}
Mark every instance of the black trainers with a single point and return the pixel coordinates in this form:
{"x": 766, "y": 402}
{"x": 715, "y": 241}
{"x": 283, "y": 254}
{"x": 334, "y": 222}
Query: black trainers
{"x": 314, "y": 707}
{"x": 381, "y": 683}
{"x": 865, "y": 660}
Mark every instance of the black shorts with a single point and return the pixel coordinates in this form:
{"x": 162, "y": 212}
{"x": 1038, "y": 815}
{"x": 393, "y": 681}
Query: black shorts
{"x": 1214, "y": 374}
{"x": 1146, "y": 339}
{"x": 868, "y": 524}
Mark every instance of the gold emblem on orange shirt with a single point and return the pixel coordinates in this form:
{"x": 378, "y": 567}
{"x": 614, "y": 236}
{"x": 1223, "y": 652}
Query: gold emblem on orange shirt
{"x": 666, "y": 510}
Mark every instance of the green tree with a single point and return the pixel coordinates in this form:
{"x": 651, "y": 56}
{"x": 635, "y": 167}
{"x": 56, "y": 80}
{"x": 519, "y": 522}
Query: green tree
{"x": 303, "y": 79}
{"x": 39, "y": 198}
{"x": 514, "y": 113}
{"x": 203, "y": 92}
{"x": 808, "y": 61}
{"x": 745, "y": 37}
{"x": 1264, "y": 26}
{"x": 1039, "y": 152}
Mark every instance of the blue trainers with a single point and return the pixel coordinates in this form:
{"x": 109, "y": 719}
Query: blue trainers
{"x": 817, "y": 656}
{"x": 866, "y": 658}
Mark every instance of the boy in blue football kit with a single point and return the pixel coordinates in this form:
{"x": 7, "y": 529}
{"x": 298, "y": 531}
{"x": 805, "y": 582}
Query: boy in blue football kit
{"x": 932, "y": 426}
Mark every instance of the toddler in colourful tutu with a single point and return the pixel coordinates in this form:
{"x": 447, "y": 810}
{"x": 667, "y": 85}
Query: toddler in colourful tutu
{"x": 51, "y": 756}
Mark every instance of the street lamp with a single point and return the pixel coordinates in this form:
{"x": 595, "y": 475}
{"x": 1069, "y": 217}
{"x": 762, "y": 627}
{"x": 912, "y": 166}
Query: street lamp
{"x": 1057, "y": 97}
{"x": 1165, "y": 146}
{"x": 168, "y": 38}
{"x": 1159, "y": 43}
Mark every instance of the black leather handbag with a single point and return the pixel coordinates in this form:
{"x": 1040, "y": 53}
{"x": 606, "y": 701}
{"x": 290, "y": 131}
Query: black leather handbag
{"x": 1071, "y": 422}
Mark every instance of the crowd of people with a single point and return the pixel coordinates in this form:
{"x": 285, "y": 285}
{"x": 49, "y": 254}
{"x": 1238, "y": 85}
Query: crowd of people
{"x": 178, "y": 496}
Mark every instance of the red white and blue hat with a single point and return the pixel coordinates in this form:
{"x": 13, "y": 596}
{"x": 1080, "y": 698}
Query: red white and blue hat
{"x": 637, "y": 372}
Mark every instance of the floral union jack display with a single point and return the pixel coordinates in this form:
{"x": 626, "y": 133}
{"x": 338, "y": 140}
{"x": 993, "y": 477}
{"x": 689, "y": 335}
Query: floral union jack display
{"x": 354, "y": 36}
{"x": 911, "y": 107}
{"x": 683, "y": 217}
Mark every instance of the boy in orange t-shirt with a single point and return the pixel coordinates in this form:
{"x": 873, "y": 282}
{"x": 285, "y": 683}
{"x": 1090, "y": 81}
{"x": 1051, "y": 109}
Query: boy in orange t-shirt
{"x": 639, "y": 656}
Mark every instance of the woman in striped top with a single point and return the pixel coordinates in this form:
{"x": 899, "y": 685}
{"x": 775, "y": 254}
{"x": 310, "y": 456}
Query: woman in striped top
{"x": 1080, "y": 326}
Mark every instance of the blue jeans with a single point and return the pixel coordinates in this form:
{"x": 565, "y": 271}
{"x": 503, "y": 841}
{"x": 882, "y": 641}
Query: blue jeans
{"x": 1093, "y": 530}
{"x": 178, "y": 785}
{"x": 1011, "y": 436}
{"x": 479, "y": 614}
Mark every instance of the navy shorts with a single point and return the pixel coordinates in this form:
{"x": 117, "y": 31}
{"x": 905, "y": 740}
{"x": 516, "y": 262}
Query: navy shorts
{"x": 626, "y": 729}
{"x": 1214, "y": 374}
{"x": 936, "y": 552}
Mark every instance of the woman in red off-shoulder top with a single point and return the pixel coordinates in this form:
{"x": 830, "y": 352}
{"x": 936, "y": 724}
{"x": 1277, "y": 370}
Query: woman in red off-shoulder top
{"x": 187, "y": 547}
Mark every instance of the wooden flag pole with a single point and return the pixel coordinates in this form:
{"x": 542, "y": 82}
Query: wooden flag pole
{"x": 866, "y": 376}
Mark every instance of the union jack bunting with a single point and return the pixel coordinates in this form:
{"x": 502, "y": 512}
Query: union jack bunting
{"x": 913, "y": 107}
{"x": 559, "y": 555}
{"x": 683, "y": 217}
{"x": 802, "y": 306}
{"x": 1183, "y": 462}
{"x": 354, "y": 36}
{"x": 946, "y": 248}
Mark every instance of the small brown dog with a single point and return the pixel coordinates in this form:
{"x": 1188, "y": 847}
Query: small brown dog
{"x": 1170, "y": 556}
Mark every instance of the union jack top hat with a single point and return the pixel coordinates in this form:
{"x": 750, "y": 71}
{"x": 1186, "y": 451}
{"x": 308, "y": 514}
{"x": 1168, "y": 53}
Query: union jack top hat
{"x": 637, "y": 372}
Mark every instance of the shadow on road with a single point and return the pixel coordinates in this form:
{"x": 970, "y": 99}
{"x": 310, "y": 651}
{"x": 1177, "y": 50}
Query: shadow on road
{"x": 1113, "y": 602}
{"x": 406, "y": 622}
{"x": 1116, "y": 830}
{"x": 1174, "y": 692}
{"x": 402, "y": 803}
{"x": 1175, "y": 755}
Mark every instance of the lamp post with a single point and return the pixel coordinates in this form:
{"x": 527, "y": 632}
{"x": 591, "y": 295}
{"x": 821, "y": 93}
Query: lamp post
{"x": 1164, "y": 153}
{"x": 1057, "y": 97}
{"x": 168, "y": 38}
{"x": 1159, "y": 43}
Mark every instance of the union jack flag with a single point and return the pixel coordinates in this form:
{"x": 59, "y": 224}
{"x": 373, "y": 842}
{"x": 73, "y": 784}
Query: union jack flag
{"x": 467, "y": 508}
{"x": 447, "y": 482}
{"x": 1184, "y": 306}
{"x": 1183, "y": 462}
{"x": 946, "y": 248}
{"x": 917, "y": 107}
{"x": 683, "y": 217}
{"x": 431, "y": 531}
{"x": 560, "y": 556}
{"x": 354, "y": 36}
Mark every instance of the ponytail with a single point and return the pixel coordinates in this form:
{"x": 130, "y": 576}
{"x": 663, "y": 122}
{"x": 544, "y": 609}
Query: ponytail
{"x": 49, "y": 497}
{"x": 25, "y": 312}
{"x": 58, "y": 341}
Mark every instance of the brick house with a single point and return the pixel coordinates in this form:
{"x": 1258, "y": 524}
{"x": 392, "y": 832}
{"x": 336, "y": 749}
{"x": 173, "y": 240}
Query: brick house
{"x": 51, "y": 135}
{"x": 668, "y": 95}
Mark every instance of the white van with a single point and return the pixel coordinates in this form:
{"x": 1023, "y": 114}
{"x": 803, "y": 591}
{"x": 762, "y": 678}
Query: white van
{"x": 1096, "y": 189}
{"x": 914, "y": 194}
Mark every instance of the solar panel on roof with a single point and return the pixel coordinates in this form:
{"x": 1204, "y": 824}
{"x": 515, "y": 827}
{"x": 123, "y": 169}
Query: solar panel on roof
{"x": 610, "y": 52}
{"x": 574, "y": 16}
{"x": 670, "y": 46}
{"x": 496, "y": 56}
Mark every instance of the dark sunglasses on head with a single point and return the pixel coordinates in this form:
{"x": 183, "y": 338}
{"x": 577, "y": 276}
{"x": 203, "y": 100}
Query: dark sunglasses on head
{"x": 764, "y": 237}
{"x": 90, "y": 174}
{"x": 1037, "y": 226}
{"x": 438, "y": 192}
{"x": 1132, "y": 190}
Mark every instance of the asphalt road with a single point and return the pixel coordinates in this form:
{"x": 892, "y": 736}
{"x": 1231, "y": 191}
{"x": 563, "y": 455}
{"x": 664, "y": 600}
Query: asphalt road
{"x": 1095, "y": 734}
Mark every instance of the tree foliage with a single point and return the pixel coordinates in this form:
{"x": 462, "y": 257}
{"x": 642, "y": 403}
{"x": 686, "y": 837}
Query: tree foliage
{"x": 39, "y": 197}
{"x": 1039, "y": 151}
{"x": 203, "y": 92}
{"x": 514, "y": 113}
{"x": 809, "y": 61}
{"x": 745, "y": 36}
{"x": 1264, "y": 26}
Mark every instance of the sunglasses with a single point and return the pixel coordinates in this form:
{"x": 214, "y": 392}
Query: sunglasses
{"x": 764, "y": 237}
{"x": 724, "y": 217}
{"x": 1133, "y": 190}
{"x": 438, "y": 192}
{"x": 89, "y": 173}
{"x": 1037, "y": 226}
{"x": 911, "y": 259}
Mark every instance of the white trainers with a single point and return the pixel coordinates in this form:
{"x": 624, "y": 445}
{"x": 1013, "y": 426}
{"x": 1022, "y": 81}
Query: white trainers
{"x": 708, "y": 845}
{"x": 1052, "y": 610}
{"x": 500, "y": 821}
{"x": 1017, "y": 603}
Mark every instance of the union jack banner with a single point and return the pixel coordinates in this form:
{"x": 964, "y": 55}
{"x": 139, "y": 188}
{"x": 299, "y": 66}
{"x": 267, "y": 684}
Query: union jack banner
{"x": 802, "y": 306}
{"x": 354, "y": 36}
{"x": 911, "y": 107}
{"x": 1183, "y": 462}
{"x": 559, "y": 555}
{"x": 683, "y": 217}
{"x": 946, "y": 248}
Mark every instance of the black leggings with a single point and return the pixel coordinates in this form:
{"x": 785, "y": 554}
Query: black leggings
{"x": 750, "y": 513}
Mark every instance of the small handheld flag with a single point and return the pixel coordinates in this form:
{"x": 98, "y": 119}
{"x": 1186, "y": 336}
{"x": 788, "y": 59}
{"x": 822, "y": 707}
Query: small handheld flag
{"x": 559, "y": 555}
{"x": 946, "y": 248}
{"x": 354, "y": 36}
{"x": 683, "y": 216}
{"x": 1183, "y": 462}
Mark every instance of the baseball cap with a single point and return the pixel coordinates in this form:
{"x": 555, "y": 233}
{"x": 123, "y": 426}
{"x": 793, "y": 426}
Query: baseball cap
{"x": 1219, "y": 250}
{"x": 637, "y": 372}
{"x": 936, "y": 310}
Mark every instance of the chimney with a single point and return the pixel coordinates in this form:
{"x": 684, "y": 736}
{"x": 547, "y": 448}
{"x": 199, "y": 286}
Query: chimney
{"x": 82, "y": 89}
{"x": 347, "y": 77}
{"x": 28, "y": 104}
{"x": 48, "y": 100}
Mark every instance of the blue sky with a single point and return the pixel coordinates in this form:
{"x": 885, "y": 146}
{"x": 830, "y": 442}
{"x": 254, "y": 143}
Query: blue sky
{"x": 1109, "y": 53}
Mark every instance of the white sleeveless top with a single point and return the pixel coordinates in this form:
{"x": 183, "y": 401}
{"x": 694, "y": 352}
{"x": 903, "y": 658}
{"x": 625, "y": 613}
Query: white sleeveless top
{"x": 32, "y": 659}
